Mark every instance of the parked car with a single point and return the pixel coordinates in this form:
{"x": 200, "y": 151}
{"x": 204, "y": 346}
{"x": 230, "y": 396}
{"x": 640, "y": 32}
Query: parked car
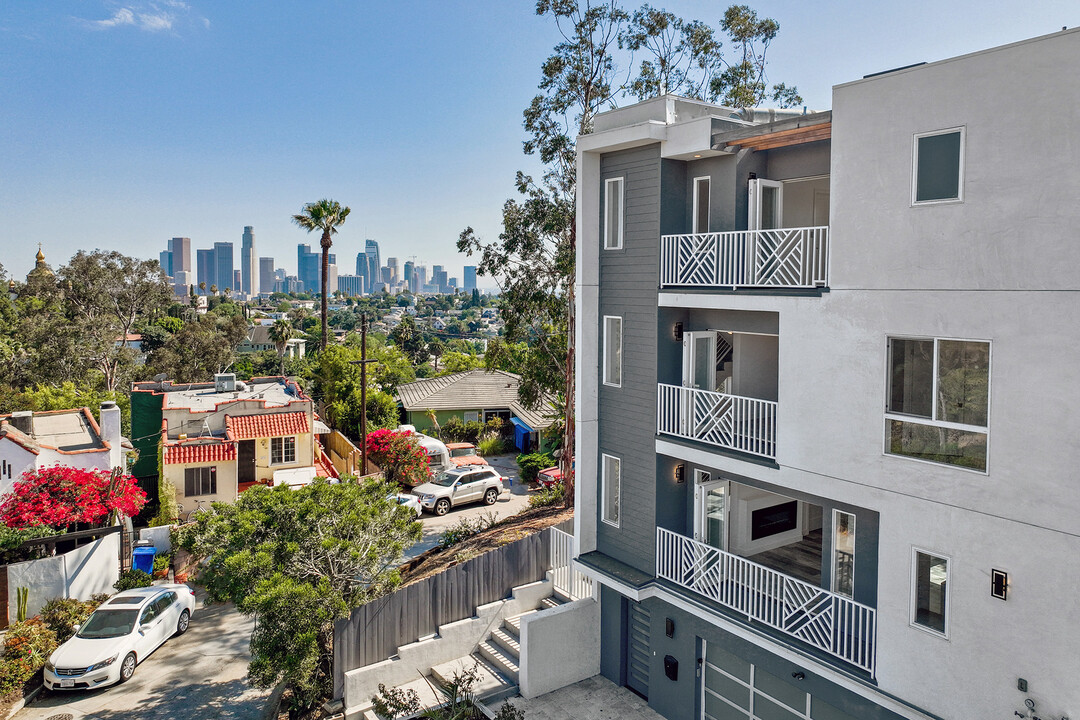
{"x": 550, "y": 477}
{"x": 118, "y": 636}
{"x": 460, "y": 486}
{"x": 409, "y": 501}
{"x": 464, "y": 454}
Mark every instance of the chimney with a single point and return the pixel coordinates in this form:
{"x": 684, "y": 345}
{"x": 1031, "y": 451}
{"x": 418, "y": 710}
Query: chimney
{"x": 110, "y": 432}
{"x": 23, "y": 421}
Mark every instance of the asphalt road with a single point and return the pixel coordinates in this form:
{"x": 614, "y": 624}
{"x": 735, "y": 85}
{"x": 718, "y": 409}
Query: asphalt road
{"x": 508, "y": 504}
{"x": 199, "y": 675}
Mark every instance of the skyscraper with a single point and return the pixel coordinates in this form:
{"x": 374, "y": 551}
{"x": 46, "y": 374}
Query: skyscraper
{"x": 470, "y": 278}
{"x": 392, "y": 263}
{"x": 407, "y": 274}
{"x": 248, "y": 271}
{"x": 371, "y": 248}
{"x": 165, "y": 260}
{"x": 266, "y": 275}
{"x": 223, "y": 262}
{"x": 307, "y": 268}
{"x": 206, "y": 269}
{"x": 180, "y": 248}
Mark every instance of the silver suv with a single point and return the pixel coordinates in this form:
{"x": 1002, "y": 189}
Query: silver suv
{"x": 459, "y": 486}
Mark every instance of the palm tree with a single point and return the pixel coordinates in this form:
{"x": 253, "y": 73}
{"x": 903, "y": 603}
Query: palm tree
{"x": 325, "y": 216}
{"x": 281, "y": 332}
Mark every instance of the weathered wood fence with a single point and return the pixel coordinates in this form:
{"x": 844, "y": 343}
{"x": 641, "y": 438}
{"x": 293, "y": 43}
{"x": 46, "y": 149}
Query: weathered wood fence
{"x": 374, "y": 631}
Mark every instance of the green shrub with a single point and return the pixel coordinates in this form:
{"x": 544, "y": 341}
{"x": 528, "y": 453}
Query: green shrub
{"x": 61, "y": 615}
{"x": 27, "y": 646}
{"x": 489, "y": 445}
{"x": 473, "y": 430}
{"x": 548, "y": 496}
{"x": 466, "y": 528}
{"x": 453, "y": 430}
{"x": 132, "y": 579}
{"x": 161, "y": 562}
{"x": 532, "y": 464}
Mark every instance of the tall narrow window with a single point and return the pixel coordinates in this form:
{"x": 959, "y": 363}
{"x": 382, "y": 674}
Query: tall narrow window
{"x": 843, "y": 575}
{"x": 613, "y": 214}
{"x": 938, "y": 400}
{"x": 938, "y": 159}
{"x": 930, "y": 587}
{"x": 611, "y": 484}
{"x": 701, "y": 205}
{"x": 613, "y": 350}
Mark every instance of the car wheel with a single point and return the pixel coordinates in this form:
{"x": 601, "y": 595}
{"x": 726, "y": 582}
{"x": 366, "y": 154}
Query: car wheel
{"x": 127, "y": 669}
{"x": 491, "y": 496}
{"x": 442, "y": 507}
{"x": 182, "y": 623}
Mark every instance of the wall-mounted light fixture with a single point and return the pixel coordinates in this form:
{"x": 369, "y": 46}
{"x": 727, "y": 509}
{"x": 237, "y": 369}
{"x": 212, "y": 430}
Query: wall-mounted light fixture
{"x": 677, "y": 332}
{"x": 999, "y": 584}
{"x": 680, "y": 473}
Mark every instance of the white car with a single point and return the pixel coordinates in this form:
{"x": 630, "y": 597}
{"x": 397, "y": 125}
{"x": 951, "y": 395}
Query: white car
{"x": 408, "y": 501}
{"x": 118, "y": 636}
{"x": 459, "y": 486}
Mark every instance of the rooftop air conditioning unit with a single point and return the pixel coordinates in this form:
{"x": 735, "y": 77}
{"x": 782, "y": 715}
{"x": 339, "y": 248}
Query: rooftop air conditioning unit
{"x": 225, "y": 382}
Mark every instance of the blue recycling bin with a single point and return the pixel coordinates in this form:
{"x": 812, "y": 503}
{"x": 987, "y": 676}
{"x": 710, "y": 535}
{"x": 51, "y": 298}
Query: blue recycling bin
{"x": 143, "y": 559}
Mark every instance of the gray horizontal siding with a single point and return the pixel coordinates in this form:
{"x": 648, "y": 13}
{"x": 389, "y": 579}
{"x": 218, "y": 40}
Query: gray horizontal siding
{"x": 628, "y": 282}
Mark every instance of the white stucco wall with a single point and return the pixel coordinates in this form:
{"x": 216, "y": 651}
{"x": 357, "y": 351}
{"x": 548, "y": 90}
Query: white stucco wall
{"x": 80, "y": 573}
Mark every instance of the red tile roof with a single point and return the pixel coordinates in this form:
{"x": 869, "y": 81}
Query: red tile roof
{"x": 202, "y": 453}
{"x": 246, "y": 427}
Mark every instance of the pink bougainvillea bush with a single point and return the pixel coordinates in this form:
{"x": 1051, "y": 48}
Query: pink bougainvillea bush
{"x": 399, "y": 455}
{"x": 60, "y": 496}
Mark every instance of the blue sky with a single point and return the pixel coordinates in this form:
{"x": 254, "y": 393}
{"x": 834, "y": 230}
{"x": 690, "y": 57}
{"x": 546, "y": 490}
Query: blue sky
{"x": 123, "y": 124}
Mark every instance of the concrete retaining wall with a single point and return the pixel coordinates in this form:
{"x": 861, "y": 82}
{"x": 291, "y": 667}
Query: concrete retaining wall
{"x": 78, "y": 573}
{"x": 160, "y": 537}
{"x": 559, "y": 647}
{"x": 454, "y": 640}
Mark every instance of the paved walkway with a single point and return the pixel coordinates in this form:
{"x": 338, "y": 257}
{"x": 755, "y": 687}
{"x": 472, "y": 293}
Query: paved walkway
{"x": 199, "y": 675}
{"x": 594, "y": 699}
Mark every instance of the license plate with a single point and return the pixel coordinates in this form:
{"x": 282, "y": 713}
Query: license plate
{"x": 67, "y": 683}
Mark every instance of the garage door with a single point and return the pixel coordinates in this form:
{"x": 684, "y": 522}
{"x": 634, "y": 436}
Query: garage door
{"x": 734, "y": 689}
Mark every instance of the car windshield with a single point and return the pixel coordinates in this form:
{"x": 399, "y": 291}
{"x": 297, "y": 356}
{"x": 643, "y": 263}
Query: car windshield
{"x": 445, "y": 479}
{"x": 462, "y": 452}
{"x": 109, "y": 624}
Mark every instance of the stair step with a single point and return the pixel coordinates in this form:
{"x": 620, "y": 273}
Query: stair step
{"x": 507, "y": 642}
{"x": 500, "y": 660}
{"x": 489, "y": 678}
{"x": 514, "y": 623}
{"x": 550, "y": 602}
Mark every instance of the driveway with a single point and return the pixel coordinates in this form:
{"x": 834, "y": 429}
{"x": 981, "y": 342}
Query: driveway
{"x": 508, "y": 504}
{"x": 201, "y": 674}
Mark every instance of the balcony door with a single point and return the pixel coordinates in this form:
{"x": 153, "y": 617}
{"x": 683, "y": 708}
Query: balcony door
{"x": 699, "y": 360}
{"x": 766, "y": 204}
{"x": 711, "y": 507}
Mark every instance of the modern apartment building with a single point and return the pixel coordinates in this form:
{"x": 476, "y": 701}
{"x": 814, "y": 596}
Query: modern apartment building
{"x": 825, "y": 449}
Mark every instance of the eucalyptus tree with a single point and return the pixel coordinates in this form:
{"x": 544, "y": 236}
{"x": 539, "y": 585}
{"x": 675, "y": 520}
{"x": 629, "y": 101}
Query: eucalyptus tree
{"x": 325, "y": 216}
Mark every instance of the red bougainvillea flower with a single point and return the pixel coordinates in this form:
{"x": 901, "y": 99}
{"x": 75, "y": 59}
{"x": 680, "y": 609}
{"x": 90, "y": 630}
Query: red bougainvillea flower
{"x": 400, "y": 456}
{"x": 60, "y": 496}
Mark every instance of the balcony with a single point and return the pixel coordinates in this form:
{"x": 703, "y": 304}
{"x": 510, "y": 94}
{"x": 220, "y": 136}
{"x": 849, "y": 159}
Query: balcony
{"x": 824, "y": 620}
{"x": 786, "y": 258}
{"x": 732, "y": 422}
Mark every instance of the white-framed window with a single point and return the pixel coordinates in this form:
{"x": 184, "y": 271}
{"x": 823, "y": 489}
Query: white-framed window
{"x": 200, "y": 481}
{"x": 938, "y": 402}
{"x": 611, "y": 488}
{"x": 930, "y": 591}
{"x": 613, "y": 214}
{"x": 282, "y": 450}
{"x": 613, "y": 350}
{"x": 843, "y": 571}
{"x": 702, "y": 186}
{"x": 472, "y": 416}
{"x": 937, "y": 160}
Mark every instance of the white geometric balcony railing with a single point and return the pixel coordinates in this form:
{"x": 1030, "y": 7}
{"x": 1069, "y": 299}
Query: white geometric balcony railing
{"x": 783, "y": 258}
{"x": 728, "y": 421}
{"x": 825, "y": 620}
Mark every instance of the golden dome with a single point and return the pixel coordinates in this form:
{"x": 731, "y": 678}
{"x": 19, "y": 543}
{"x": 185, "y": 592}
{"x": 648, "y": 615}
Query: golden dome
{"x": 40, "y": 255}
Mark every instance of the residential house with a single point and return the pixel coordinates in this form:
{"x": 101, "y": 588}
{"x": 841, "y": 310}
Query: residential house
{"x": 477, "y": 396}
{"x": 258, "y": 339}
{"x": 217, "y": 439}
{"x": 72, "y": 438}
{"x": 827, "y": 392}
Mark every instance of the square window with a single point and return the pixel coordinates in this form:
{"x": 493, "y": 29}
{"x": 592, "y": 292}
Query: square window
{"x": 613, "y": 214}
{"x": 938, "y": 166}
{"x": 611, "y": 483}
{"x": 930, "y": 586}
{"x": 200, "y": 481}
{"x": 937, "y": 407}
{"x": 282, "y": 450}
{"x": 613, "y": 350}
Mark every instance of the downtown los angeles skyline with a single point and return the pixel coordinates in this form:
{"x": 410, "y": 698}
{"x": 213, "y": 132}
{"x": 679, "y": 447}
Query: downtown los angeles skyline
{"x": 129, "y": 123}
